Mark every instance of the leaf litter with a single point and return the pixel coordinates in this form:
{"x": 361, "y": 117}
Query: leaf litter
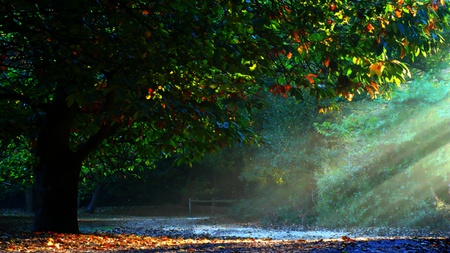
{"x": 203, "y": 234}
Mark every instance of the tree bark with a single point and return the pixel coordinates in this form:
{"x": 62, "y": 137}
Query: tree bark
{"x": 94, "y": 200}
{"x": 56, "y": 185}
{"x": 57, "y": 172}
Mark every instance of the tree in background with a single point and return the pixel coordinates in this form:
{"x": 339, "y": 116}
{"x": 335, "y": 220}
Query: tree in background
{"x": 374, "y": 163}
{"x": 181, "y": 77}
{"x": 391, "y": 166}
{"x": 280, "y": 174}
{"x": 107, "y": 168}
{"x": 16, "y": 163}
{"x": 217, "y": 176}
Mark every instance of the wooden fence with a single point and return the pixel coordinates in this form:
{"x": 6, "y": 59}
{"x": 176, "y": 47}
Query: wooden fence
{"x": 213, "y": 204}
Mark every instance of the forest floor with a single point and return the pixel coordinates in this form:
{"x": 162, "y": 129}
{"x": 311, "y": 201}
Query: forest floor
{"x": 146, "y": 230}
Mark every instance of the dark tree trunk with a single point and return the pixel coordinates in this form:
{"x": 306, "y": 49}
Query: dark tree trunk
{"x": 56, "y": 185}
{"x": 94, "y": 201}
{"x": 57, "y": 172}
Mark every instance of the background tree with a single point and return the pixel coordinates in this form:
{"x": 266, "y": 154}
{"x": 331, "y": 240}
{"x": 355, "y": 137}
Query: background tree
{"x": 114, "y": 162}
{"x": 16, "y": 163}
{"x": 181, "y": 77}
{"x": 390, "y": 168}
{"x": 374, "y": 163}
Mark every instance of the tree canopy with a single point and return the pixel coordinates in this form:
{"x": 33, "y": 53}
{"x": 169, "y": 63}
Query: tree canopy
{"x": 80, "y": 78}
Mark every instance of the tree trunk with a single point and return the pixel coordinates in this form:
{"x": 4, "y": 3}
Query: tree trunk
{"x": 56, "y": 185}
{"x": 94, "y": 201}
{"x": 57, "y": 172}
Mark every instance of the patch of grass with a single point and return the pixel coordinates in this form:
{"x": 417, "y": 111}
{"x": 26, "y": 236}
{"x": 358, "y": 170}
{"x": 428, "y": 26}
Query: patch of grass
{"x": 13, "y": 224}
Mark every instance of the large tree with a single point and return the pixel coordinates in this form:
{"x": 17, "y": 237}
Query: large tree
{"x": 180, "y": 77}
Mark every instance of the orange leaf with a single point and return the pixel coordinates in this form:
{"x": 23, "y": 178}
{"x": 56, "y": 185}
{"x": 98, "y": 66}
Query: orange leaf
{"x": 287, "y": 87}
{"x": 326, "y": 61}
{"x": 145, "y": 12}
{"x": 374, "y": 85}
{"x": 376, "y": 69}
{"x": 348, "y": 239}
{"x": 372, "y": 89}
{"x": 371, "y": 93}
{"x": 310, "y": 77}
{"x": 294, "y": 35}
{"x": 404, "y": 42}
{"x": 332, "y": 7}
{"x": 302, "y": 48}
{"x": 289, "y": 55}
{"x": 349, "y": 96}
{"x": 276, "y": 89}
{"x": 370, "y": 27}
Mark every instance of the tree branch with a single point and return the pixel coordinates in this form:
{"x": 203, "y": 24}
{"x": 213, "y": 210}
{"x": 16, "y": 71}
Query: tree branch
{"x": 15, "y": 96}
{"x": 22, "y": 98}
{"x": 105, "y": 131}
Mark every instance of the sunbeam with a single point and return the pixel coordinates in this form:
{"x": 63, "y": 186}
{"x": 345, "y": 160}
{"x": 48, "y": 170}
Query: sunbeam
{"x": 399, "y": 176}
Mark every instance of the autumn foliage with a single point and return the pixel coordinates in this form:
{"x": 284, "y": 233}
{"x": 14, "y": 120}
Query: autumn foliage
{"x": 53, "y": 242}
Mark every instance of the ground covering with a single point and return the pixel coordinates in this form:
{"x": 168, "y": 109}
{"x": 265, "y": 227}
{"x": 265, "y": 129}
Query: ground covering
{"x": 132, "y": 243}
{"x": 120, "y": 233}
